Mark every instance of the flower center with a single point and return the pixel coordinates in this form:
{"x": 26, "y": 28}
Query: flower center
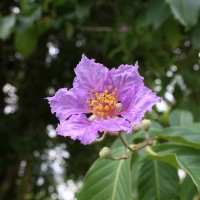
{"x": 103, "y": 104}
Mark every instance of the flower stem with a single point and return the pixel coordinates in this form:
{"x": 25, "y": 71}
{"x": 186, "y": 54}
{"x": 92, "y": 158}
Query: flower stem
{"x": 141, "y": 145}
{"x": 134, "y": 147}
{"x": 122, "y": 136}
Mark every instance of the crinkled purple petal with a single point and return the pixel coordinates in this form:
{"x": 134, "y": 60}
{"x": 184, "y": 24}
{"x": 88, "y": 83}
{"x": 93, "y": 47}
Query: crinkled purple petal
{"x": 70, "y": 106}
{"x": 124, "y": 77}
{"x": 89, "y": 75}
{"x": 137, "y": 101}
{"x": 66, "y": 103}
{"x": 112, "y": 125}
{"x": 78, "y": 127}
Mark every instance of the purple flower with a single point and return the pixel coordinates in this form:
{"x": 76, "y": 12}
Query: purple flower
{"x": 113, "y": 99}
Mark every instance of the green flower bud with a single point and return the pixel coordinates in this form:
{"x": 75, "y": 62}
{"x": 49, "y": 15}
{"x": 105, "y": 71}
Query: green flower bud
{"x": 106, "y": 153}
{"x": 146, "y": 124}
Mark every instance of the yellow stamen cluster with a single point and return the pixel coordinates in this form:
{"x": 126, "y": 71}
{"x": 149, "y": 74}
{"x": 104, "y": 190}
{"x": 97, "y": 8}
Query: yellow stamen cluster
{"x": 103, "y": 104}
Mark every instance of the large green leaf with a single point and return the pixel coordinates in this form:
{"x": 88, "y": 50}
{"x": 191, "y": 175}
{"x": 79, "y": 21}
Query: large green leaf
{"x": 188, "y": 136}
{"x": 135, "y": 168}
{"x": 180, "y": 118}
{"x": 186, "y": 11}
{"x": 6, "y": 25}
{"x": 107, "y": 180}
{"x": 195, "y": 126}
{"x": 188, "y": 189}
{"x": 183, "y": 157}
{"x": 158, "y": 181}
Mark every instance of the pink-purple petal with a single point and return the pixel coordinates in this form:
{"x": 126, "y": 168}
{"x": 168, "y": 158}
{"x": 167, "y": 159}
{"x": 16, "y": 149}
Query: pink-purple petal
{"x": 137, "y": 101}
{"x": 66, "y": 103}
{"x": 70, "y": 105}
{"x": 112, "y": 125}
{"x": 78, "y": 127}
{"x": 89, "y": 75}
{"x": 124, "y": 77}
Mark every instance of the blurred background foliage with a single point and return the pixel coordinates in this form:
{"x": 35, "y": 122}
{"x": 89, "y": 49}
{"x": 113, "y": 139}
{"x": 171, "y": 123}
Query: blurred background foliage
{"x": 40, "y": 44}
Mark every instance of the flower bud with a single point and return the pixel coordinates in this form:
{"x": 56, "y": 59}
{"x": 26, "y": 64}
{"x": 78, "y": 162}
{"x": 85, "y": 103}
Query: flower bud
{"x": 146, "y": 124}
{"x": 106, "y": 153}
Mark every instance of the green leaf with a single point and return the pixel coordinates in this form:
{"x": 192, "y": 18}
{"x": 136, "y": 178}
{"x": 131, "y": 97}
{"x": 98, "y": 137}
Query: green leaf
{"x": 188, "y": 189}
{"x": 157, "y": 12}
{"x": 158, "y": 181}
{"x": 6, "y": 25}
{"x": 180, "y": 118}
{"x": 186, "y": 11}
{"x": 107, "y": 179}
{"x": 195, "y": 126}
{"x": 187, "y": 136}
{"x": 135, "y": 168}
{"x": 26, "y": 41}
{"x": 185, "y": 158}
{"x": 195, "y": 36}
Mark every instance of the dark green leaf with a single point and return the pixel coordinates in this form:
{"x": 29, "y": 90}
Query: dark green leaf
{"x": 30, "y": 8}
{"x": 135, "y": 168}
{"x": 26, "y": 41}
{"x": 188, "y": 189}
{"x": 195, "y": 36}
{"x": 171, "y": 30}
{"x": 158, "y": 181}
{"x": 185, "y": 158}
{"x": 187, "y": 136}
{"x": 25, "y": 22}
